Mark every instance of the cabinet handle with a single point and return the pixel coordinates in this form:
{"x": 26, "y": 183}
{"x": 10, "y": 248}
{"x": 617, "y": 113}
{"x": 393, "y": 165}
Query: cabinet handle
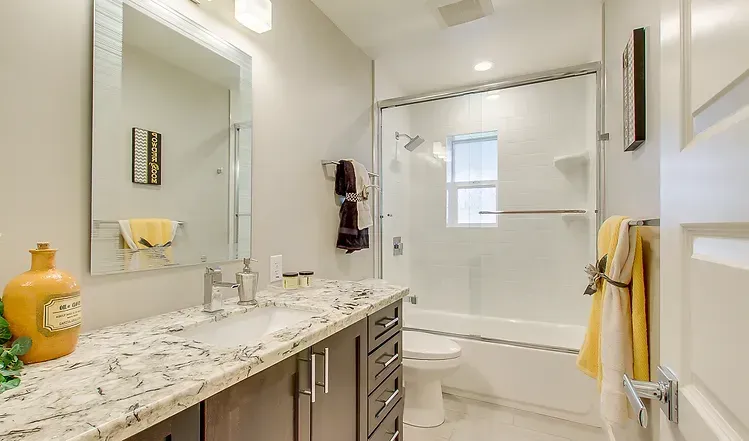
{"x": 387, "y": 402}
{"x": 387, "y": 322}
{"x": 395, "y": 435}
{"x": 312, "y": 375}
{"x": 385, "y": 363}
{"x": 326, "y": 370}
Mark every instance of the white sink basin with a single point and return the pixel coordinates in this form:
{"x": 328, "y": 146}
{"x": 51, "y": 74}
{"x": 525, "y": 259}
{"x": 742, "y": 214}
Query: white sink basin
{"x": 246, "y": 329}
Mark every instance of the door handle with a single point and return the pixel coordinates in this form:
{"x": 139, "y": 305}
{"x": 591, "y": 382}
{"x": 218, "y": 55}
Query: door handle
{"x": 387, "y": 402}
{"x": 312, "y": 377}
{"x": 326, "y": 370}
{"x": 634, "y": 400}
{"x": 665, "y": 391}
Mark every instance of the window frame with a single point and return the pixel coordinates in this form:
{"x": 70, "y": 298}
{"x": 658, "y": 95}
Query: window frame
{"x": 452, "y": 187}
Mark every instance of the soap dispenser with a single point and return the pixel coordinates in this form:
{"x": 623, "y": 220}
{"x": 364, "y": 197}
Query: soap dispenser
{"x": 247, "y": 280}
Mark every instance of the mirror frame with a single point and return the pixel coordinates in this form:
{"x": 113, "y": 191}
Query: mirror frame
{"x": 107, "y": 94}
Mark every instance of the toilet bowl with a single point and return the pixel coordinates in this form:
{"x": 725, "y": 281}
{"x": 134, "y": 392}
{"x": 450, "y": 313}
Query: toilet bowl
{"x": 427, "y": 359}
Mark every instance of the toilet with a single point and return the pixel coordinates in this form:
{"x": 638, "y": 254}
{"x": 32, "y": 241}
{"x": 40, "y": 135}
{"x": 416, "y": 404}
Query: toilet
{"x": 427, "y": 359}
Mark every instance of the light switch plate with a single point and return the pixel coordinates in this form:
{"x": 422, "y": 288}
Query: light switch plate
{"x": 276, "y": 268}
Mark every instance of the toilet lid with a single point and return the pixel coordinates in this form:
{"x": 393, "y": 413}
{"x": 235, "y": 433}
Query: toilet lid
{"x": 423, "y": 346}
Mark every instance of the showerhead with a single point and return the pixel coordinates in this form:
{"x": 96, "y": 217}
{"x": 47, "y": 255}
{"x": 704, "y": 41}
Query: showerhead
{"x": 413, "y": 142}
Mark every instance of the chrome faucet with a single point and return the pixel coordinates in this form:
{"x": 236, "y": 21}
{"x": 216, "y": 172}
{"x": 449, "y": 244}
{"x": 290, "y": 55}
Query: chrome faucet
{"x": 212, "y": 282}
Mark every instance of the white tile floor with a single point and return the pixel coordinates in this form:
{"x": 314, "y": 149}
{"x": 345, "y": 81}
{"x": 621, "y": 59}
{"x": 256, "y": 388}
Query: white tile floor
{"x": 469, "y": 420}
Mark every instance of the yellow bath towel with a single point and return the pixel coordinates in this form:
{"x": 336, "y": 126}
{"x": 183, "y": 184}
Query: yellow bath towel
{"x": 589, "y": 359}
{"x": 155, "y": 231}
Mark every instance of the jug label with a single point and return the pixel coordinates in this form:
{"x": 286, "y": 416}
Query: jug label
{"x": 61, "y": 313}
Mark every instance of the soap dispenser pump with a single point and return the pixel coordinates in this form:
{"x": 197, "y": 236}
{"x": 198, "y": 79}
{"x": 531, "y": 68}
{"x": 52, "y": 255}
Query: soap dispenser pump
{"x": 247, "y": 280}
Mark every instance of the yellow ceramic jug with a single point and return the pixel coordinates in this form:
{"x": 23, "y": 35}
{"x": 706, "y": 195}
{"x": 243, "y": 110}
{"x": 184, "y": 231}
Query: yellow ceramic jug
{"x": 44, "y": 304}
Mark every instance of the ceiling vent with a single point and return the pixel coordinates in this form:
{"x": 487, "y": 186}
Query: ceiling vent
{"x": 456, "y": 12}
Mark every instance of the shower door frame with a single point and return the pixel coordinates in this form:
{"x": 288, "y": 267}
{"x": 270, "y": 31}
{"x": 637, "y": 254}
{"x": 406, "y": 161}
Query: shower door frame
{"x": 594, "y": 68}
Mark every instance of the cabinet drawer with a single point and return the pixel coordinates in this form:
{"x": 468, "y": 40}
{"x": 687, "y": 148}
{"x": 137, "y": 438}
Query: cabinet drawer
{"x": 391, "y": 428}
{"x": 384, "y": 324}
{"x": 384, "y": 399}
{"x": 384, "y": 361}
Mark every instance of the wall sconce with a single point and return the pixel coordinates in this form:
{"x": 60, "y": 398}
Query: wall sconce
{"x": 257, "y": 15}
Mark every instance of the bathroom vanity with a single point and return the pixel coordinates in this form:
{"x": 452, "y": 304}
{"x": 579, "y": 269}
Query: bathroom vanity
{"x": 358, "y": 393}
{"x": 316, "y": 364}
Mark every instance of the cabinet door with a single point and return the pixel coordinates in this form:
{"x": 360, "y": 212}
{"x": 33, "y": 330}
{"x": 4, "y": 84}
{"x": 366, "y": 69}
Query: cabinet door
{"x": 341, "y": 413}
{"x": 260, "y": 408}
{"x": 185, "y": 426}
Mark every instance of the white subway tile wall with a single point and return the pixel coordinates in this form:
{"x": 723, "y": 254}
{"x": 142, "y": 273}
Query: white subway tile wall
{"x": 526, "y": 267}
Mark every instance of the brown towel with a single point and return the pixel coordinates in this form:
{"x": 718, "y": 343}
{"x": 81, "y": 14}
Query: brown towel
{"x": 350, "y": 237}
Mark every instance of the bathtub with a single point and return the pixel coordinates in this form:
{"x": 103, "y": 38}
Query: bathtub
{"x": 519, "y": 364}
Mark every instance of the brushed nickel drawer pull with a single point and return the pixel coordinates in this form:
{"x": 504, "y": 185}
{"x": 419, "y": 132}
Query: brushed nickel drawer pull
{"x": 326, "y": 370}
{"x": 312, "y": 374}
{"x": 395, "y": 435}
{"x": 387, "y": 324}
{"x": 386, "y": 363}
{"x": 387, "y": 402}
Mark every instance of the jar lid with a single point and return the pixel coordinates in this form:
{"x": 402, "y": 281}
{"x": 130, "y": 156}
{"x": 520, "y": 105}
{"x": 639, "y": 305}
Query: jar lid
{"x": 306, "y": 273}
{"x": 291, "y": 274}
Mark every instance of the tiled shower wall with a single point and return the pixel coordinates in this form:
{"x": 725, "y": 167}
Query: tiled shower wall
{"x": 526, "y": 267}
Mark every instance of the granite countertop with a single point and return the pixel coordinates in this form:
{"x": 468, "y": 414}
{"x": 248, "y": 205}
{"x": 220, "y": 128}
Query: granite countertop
{"x": 126, "y": 378}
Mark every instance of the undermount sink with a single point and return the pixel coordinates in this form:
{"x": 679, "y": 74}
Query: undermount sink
{"x": 247, "y": 328}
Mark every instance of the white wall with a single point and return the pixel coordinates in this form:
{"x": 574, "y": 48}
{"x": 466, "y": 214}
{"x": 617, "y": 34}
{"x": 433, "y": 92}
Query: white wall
{"x": 527, "y": 267}
{"x": 632, "y": 178}
{"x": 312, "y": 99}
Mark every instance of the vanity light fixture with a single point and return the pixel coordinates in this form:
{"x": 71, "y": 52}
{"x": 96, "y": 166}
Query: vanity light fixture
{"x": 483, "y": 66}
{"x": 257, "y": 15}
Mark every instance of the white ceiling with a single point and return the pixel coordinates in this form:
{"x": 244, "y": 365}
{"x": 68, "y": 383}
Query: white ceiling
{"x": 521, "y": 36}
{"x": 377, "y": 25}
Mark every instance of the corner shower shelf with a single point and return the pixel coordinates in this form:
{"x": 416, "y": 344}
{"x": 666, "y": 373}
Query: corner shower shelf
{"x": 574, "y": 216}
{"x": 567, "y": 161}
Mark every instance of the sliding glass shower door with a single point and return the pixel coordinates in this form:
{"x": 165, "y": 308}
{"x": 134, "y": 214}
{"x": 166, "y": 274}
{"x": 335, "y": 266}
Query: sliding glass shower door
{"x": 530, "y": 149}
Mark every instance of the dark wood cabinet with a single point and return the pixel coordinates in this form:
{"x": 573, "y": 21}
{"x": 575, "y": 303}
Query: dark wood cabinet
{"x": 185, "y": 426}
{"x": 260, "y": 408}
{"x": 340, "y": 414}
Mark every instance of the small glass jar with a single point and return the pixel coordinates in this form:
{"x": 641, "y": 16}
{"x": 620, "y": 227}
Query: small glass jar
{"x": 305, "y": 278}
{"x": 291, "y": 280}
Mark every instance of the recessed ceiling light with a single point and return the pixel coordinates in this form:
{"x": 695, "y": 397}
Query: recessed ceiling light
{"x": 483, "y": 66}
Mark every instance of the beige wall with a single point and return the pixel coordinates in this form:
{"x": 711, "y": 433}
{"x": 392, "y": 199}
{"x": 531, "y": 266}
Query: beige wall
{"x": 632, "y": 178}
{"x": 312, "y": 98}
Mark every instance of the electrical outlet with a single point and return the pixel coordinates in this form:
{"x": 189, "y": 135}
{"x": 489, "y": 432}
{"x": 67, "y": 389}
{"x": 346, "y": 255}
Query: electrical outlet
{"x": 276, "y": 268}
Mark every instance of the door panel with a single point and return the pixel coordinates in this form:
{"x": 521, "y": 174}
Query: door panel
{"x": 720, "y": 36}
{"x": 340, "y": 414}
{"x": 260, "y": 408}
{"x": 705, "y": 216}
{"x": 185, "y": 426}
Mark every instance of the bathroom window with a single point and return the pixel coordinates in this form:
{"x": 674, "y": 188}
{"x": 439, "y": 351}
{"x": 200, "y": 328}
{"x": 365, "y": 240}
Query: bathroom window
{"x": 472, "y": 172}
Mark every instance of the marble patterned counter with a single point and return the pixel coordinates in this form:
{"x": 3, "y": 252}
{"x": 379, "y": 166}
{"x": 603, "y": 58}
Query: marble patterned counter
{"x": 126, "y": 378}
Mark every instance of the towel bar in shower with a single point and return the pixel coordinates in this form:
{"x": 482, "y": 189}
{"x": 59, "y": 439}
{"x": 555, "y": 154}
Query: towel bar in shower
{"x": 535, "y": 212}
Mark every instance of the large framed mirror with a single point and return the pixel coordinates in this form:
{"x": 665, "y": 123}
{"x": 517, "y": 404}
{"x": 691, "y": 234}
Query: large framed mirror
{"x": 172, "y": 141}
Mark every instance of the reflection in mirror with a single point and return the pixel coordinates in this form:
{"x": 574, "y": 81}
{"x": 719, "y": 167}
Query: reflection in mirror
{"x": 172, "y": 144}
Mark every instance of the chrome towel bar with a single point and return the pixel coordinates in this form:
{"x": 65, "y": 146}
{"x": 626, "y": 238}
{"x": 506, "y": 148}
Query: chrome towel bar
{"x": 535, "y": 212}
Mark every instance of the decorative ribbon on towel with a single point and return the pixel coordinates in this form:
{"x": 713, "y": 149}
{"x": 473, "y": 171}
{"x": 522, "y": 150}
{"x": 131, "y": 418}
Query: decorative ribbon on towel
{"x": 596, "y": 273}
{"x": 143, "y": 241}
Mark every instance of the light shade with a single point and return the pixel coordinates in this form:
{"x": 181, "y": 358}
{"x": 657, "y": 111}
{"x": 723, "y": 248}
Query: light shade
{"x": 257, "y": 15}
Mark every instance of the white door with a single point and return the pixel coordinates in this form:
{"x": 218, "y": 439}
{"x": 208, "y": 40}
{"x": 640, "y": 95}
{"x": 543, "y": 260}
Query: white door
{"x": 705, "y": 216}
